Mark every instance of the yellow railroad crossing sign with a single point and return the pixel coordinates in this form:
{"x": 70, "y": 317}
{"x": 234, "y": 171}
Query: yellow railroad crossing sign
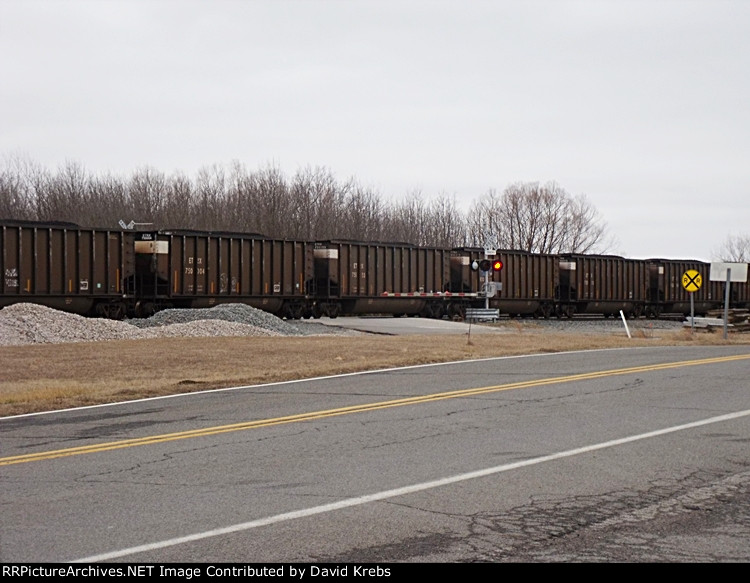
{"x": 692, "y": 280}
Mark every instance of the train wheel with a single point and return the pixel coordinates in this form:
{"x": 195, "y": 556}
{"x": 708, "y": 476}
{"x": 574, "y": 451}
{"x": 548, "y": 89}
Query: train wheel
{"x": 565, "y": 312}
{"x": 298, "y": 311}
{"x": 286, "y": 311}
{"x": 113, "y": 311}
{"x": 117, "y": 311}
{"x": 652, "y": 313}
{"x": 148, "y": 309}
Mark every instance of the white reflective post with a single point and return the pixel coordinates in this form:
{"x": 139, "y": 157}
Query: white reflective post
{"x": 692, "y": 313}
{"x": 624, "y": 321}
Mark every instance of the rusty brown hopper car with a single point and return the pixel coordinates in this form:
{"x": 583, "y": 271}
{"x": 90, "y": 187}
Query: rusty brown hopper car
{"x": 66, "y": 267}
{"x": 525, "y": 280}
{"x": 527, "y": 284}
{"x": 739, "y": 293}
{"x": 667, "y": 295}
{"x": 601, "y": 284}
{"x": 353, "y": 277}
{"x": 189, "y": 269}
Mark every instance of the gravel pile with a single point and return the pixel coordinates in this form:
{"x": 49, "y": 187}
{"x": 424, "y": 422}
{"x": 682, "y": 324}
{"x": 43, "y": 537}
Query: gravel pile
{"x": 31, "y": 324}
{"x": 233, "y": 313}
{"x": 24, "y": 323}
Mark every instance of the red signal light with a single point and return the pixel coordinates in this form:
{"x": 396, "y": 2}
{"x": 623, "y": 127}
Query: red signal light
{"x": 497, "y": 265}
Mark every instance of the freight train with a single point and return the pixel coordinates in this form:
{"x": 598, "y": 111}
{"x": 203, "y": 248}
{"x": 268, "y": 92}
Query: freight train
{"x": 124, "y": 274}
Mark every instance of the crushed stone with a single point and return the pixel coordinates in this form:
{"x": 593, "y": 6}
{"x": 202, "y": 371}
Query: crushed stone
{"x": 26, "y": 323}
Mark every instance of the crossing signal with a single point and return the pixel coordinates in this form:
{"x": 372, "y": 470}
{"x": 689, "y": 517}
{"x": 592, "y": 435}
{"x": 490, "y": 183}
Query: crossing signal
{"x": 487, "y": 265}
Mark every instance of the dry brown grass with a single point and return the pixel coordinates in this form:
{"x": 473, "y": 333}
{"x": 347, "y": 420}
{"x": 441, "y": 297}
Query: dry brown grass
{"x": 56, "y": 376}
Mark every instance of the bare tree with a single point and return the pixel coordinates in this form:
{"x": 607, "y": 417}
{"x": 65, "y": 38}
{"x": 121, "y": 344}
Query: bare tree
{"x": 60, "y": 197}
{"x": 241, "y": 203}
{"x": 363, "y": 215}
{"x": 179, "y": 203}
{"x": 15, "y": 193}
{"x": 210, "y": 201}
{"x": 584, "y": 231}
{"x": 736, "y": 248}
{"x": 486, "y": 219}
{"x": 447, "y": 227}
{"x": 331, "y": 209}
{"x": 147, "y": 193}
{"x": 406, "y": 221}
{"x": 539, "y": 219}
{"x": 107, "y": 201}
{"x": 270, "y": 199}
{"x": 435, "y": 223}
{"x": 317, "y": 204}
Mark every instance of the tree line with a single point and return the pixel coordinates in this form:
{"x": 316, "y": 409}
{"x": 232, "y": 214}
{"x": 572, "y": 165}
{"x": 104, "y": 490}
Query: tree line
{"x": 311, "y": 204}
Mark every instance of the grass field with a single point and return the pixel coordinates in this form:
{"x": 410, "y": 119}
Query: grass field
{"x": 59, "y": 376}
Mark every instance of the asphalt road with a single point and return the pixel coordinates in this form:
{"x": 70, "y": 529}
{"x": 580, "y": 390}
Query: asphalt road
{"x": 400, "y": 326}
{"x": 635, "y": 455}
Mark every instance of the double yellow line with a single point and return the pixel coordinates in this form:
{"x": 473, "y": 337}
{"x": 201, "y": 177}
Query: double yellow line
{"x": 314, "y": 415}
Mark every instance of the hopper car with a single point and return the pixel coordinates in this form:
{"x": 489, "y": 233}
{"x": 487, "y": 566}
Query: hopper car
{"x": 119, "y": 274}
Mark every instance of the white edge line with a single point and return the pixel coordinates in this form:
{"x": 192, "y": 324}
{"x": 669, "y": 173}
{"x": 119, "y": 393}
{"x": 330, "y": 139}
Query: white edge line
{"x": 386, "y": 494}
{"x": 348, "y": 374}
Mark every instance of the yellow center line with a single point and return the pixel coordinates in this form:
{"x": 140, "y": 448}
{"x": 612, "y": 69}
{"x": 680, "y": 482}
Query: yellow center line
{"x": 313, "y": 415}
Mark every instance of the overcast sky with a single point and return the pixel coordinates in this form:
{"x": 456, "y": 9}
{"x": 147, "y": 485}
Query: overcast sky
{"x": 643, "y": 106}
